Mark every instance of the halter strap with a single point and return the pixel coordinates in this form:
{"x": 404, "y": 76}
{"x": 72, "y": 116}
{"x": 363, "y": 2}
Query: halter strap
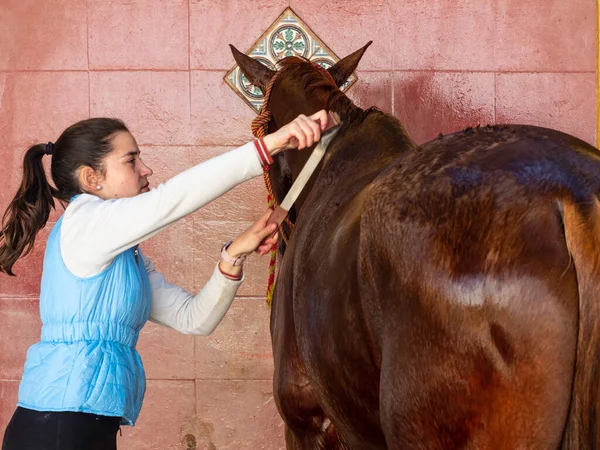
{"x": 326, "y": 72}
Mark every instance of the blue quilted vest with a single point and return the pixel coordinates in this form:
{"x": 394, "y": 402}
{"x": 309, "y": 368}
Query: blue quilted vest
{"x": 86, "y": 360}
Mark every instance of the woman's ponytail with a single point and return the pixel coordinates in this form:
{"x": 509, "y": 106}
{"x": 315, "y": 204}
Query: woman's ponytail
{"x": 29, "y": 210}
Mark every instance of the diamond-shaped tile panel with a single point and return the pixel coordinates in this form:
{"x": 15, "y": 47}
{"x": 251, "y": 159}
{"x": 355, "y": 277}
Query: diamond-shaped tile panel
{"x": 287, "y": 36}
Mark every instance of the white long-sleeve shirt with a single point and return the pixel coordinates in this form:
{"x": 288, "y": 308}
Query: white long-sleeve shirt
{"x": 94, "y": 231}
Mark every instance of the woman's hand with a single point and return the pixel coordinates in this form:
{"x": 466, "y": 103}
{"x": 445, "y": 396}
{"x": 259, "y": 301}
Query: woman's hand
{"x": 302, "y": 132}
{"x": 249, "y": 241}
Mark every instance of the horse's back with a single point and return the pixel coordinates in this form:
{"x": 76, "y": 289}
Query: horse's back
{"x": 471, "y": 290}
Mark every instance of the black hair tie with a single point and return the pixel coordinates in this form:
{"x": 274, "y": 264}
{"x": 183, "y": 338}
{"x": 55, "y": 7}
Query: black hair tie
{"x": 49, "y": 148}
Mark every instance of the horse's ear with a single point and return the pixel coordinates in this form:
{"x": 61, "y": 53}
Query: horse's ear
{"x": 258, "y": 74}
{"x": 344, "y": 67}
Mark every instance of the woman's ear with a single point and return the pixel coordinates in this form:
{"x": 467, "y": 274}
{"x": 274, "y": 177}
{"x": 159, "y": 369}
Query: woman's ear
{"x": 89, "y": 180}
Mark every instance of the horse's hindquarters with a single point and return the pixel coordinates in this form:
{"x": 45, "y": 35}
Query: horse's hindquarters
{"x": 494, "y": 376}
{"x": 479, "y": 308}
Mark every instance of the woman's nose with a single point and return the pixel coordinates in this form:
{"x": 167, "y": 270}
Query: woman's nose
{"x": 146, "y": 171}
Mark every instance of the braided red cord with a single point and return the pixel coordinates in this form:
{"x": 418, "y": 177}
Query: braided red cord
{"x": 259, "y": 130}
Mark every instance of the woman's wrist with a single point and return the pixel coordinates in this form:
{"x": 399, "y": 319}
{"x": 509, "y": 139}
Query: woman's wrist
{"x": 270, "y": 144}
{"x": 234, "y": 251}
{"x": 231, "y": 262}
{"x": 263, "y": 154}
{"x": 230, "y": 271}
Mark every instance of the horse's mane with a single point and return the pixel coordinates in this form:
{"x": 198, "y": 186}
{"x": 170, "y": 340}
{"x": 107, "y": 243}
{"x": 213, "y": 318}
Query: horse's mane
{"x": 314, "y": 80}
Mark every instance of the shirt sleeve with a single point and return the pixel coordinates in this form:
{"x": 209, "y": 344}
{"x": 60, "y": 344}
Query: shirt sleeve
{"x": 176, "y": 308}
{"x": 94, "y": 230}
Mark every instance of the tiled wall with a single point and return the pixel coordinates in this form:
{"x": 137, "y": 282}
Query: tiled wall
{"x": 158, "y": 64}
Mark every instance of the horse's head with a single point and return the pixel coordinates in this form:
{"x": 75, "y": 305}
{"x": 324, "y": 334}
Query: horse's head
{"x": 298, "y": 87}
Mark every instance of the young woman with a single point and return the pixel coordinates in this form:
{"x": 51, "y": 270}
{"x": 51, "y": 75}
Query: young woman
{"x": 85, "y": 378}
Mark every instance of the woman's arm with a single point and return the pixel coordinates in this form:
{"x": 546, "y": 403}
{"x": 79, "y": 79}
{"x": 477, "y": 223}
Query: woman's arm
{"x": 176, "y": 308}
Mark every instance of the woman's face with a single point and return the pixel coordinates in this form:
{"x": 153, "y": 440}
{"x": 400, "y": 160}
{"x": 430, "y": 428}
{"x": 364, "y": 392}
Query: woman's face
{"x": 125, "y": 173}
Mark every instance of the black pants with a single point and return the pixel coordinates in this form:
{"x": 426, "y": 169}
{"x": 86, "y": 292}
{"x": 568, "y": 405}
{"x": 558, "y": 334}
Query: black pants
{"x": 35, "y": 430}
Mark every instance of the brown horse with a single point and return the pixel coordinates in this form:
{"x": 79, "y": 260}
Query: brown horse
{"x": 443, "y": 296}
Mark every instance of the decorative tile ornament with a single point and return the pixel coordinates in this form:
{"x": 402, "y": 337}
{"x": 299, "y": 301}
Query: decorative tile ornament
{"x": 287, "y": 36}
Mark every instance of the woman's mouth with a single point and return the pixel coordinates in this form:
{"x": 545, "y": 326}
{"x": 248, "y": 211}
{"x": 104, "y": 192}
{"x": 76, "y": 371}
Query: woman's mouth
{"x": 145, "y": 188}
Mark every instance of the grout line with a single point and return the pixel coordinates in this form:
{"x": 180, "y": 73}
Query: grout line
{"x": 213, "y": 145}
{"x": 89, "y": 96}
{"x": 137, "y": 69}
{"x": 195, "y": 375}
{"x": 393, "y": 80}
{"x": 441, "y": 70}
{"x": 496, "y": 96}
{"x": 114, "y": 69}
{"x": 393, "y": 75}
{"x": 194, "y": 275}
{"x": 199, "y": 379}
{"x": 598, "y": 73}
{"x": 87, "y": 41}
{"x": 190, "y": 55}
{"x": 525, "y": 72}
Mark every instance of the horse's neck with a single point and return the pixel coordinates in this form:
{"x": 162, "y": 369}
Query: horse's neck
{"x": 368, "y": 142}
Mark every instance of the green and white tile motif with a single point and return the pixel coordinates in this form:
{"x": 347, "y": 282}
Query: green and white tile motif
{"x": 287, "y": 36}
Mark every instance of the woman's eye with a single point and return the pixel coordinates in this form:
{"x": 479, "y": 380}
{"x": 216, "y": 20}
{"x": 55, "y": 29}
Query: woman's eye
{"x": 132, "y": 161}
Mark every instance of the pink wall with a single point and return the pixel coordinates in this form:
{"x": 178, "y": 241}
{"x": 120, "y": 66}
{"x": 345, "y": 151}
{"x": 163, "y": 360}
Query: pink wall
{"x": 158, "y": 64}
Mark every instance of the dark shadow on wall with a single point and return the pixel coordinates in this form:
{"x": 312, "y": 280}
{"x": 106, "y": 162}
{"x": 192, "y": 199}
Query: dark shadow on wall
{"x": 430, "y": 103}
